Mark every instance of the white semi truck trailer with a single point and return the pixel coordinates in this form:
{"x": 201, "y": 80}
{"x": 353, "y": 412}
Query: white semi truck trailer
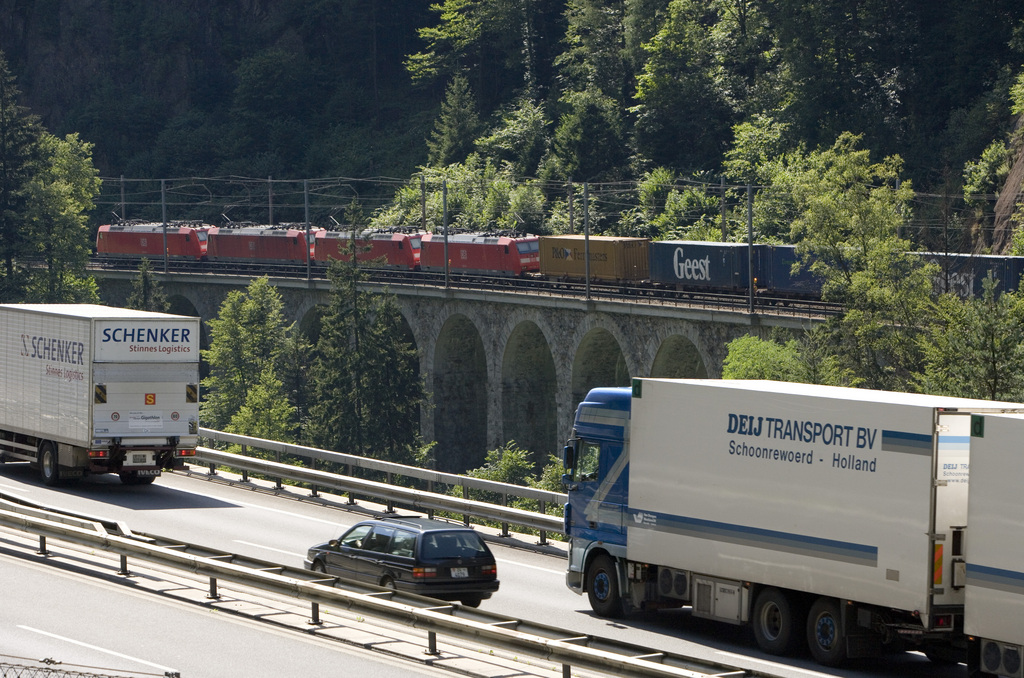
{"x": 994, "y": 606}
{"x": 829, "y": 516}
{"x": 91, "y": 389}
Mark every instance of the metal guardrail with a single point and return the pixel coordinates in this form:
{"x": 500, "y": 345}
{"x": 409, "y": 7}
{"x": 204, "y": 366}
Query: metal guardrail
{"x": 537, "y": 640}
{"x": 391, "y": 494}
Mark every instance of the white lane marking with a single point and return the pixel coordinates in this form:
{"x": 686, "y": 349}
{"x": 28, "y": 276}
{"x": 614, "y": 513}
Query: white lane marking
{"x": 270, "y": 548}
{"x": 15, "y": 488}
{"x": 292, "y": 514}
{"x": 98, "y": 649}
{"x": 745, "y": 658}
{"x": 532, "y": 567}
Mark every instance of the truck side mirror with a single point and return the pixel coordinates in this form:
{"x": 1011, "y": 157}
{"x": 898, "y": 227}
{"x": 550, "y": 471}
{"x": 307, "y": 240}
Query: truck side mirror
{"x": 568, "y": 456}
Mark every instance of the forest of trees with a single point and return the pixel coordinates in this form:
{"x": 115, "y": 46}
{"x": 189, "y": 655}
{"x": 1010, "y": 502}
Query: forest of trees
{"x": 862, "y": 129}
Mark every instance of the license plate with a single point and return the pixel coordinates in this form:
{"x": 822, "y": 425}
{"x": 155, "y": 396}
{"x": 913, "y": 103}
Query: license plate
{"x": 139, "y": 459}
{"x": 460, "y": 572}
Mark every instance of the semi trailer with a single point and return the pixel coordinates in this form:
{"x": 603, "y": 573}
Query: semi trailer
{"x": 822, "y": 516}
{"x": 87, "y": 389}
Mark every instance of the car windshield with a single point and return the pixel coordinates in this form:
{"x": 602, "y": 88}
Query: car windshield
{"x": 461, "y": 544}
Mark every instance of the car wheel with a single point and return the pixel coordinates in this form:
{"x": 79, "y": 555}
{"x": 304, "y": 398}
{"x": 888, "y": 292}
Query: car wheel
{"x": 472, "y": 601}
{"x": 318, "y": 566}
{"x": 388, "y": 583}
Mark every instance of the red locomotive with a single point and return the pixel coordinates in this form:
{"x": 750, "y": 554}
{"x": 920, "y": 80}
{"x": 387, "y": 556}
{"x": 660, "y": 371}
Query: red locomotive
{"x": 136, "y": 239}
{"x": 387, "y": 249}
{"x": 261, "y": 244}
{"x": 482, "y": 253}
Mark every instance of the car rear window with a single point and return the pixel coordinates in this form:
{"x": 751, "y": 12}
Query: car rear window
{"x": 461, "y": 544}
{"x": 403, "y": 543}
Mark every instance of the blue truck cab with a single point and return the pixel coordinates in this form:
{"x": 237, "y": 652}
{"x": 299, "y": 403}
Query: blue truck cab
{"x": 596, "y": 462}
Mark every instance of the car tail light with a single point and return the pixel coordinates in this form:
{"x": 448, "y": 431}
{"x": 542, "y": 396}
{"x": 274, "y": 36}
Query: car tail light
{"x": 489, "y": 569}
{"x": 424, "y": 572}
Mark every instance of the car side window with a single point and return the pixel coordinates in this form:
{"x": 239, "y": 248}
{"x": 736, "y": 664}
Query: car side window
{"x": 403, "y": 543}
{"x": 354, "y": 539}
{"x": 379, "y": 539}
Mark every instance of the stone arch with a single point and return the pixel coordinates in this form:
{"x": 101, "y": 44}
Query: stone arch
{"x": 599, "y": 361}
{"x": 529, "y": 388}
{"x": 459, "y": 395}
{"x": 678, "y": 358}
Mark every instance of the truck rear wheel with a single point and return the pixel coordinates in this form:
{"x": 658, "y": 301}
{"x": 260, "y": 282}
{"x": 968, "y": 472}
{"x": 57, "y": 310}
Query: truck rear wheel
{"x": 825, "y": 632}
{"x": 777, "y": 622}
{"x": 49, "y": 470}
{"x": 603, "y": 588}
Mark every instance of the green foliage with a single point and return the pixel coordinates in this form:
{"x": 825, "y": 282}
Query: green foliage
{"x": 520, "y": 138}
{"x": 512, "y": 465}
{"x": 481, "y": 195}
{"x": 20, "y": 153}
{"x": 266, "y": 412}
{"x": 246, "y": 338}
{"x": 59, "y": 197}
{"x": 683, "y": 116}
{"x": 147, "y": 293}
{"x": 750, "y": 357}
{"x": 975, "y": 347}
{"x": 590, "y": 142}
{"x": 456, "y": 128}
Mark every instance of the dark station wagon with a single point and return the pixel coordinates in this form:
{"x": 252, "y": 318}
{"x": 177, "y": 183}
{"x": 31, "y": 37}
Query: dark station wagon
{"x": 414, "y": 555}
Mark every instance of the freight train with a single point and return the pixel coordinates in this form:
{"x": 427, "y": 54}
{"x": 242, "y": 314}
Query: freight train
{"x": 690, "y": 266}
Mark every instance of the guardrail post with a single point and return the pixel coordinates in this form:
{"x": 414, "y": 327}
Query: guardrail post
{"x": 42, "y": 546}
{"x": 391, "y": 503}
{"x": 124, "y": 571}
{"x": 465, "y": 495}
{"x": 351, "y": 497}
{"x": 566, "y": 671}
{"x": 543, "y": 533}
{"x": 213, "y": 595}
{"x": 277, "y": 458}
{"x": 430, "y": 488}
{"x": 312, "y": 465}
{"x": 504, "y": 502}
{"x": 315, "y": 614}
{"x": 432, "y": 644}
{"x": 245, "y": 474}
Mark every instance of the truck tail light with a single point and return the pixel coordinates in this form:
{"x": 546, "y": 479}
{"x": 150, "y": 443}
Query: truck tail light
{"x": 187, "y": 453}
{"x": 424, "y": 572}
{"x": 99, "y": 454}
{"x": 943, "y": 621}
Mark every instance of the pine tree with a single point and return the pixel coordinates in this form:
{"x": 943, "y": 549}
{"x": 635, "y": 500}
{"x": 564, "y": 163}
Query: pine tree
{"x": 20, "y": 133}
{"x": 247, "y": 336}
{"x": 147, "y": 294}
{"x": 457, "y": 127}
{"x": 366, "y": 383}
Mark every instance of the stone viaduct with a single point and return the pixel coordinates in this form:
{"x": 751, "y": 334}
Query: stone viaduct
{"x": 508, "y": 365}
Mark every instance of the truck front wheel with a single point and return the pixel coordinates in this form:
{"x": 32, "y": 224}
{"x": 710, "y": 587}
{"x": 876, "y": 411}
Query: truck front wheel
{"x": 603, "y": 588}
{"x": 777, "y": 622}
{"x": 825, "y": 632}
{"x": 49, "y": 470}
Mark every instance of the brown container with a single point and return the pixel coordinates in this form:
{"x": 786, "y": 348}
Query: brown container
{"x": 611, "y": 258}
